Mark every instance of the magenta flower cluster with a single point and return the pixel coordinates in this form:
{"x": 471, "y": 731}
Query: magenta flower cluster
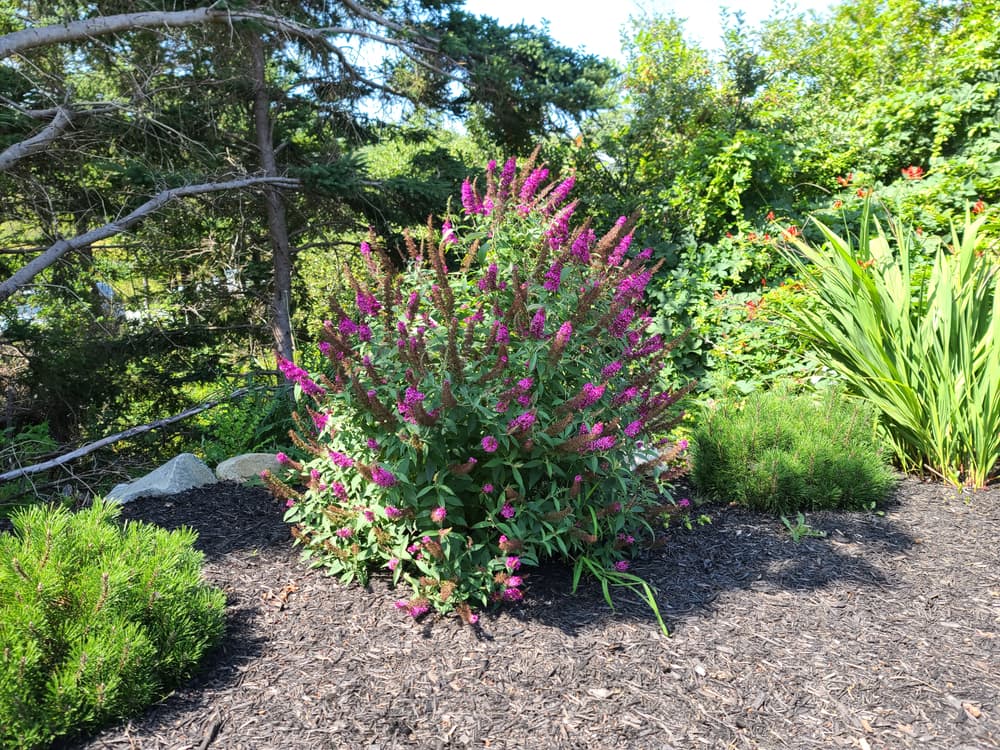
{"x": 383, "y": 477}
{"x": 522, "y": 422}
{"x": 296, "y": 374}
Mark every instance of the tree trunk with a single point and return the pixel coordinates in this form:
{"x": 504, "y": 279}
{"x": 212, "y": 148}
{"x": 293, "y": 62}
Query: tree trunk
{"x": 277, "y": 226}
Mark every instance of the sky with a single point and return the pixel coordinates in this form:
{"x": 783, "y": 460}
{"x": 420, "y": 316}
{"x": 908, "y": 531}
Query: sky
{"x": 595, "y": 25}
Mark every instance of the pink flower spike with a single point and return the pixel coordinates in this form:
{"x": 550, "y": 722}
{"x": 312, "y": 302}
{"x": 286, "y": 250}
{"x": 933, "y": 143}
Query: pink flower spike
{"x": 684, "y": 503}
{"x": 439, "y": 514}
{"x": 621, "y": 566}
{"x": 383, "y": 477}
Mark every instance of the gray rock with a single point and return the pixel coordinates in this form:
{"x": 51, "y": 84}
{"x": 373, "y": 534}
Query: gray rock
{"x": 246, "y": 467}
{"x": 183, "y": 472}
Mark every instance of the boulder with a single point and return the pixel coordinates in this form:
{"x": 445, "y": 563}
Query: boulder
{"x": 246, "y": 467}
{"x": 183, "y": 472}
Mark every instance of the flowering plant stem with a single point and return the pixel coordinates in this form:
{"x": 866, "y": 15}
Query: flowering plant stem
{"x": 617, "y": 578}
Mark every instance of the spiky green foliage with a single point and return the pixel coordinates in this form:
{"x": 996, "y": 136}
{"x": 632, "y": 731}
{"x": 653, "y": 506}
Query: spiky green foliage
{"x": 922, "y": 346}
{"x": 97, "y": 620}
{"x": 784, "y": 453}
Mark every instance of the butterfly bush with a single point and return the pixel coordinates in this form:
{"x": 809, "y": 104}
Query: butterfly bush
{"x": 483, "y": 404}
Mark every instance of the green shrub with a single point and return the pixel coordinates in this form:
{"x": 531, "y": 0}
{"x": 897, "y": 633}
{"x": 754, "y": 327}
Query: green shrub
{"x": 923, "y": 347}
{"x": 783, "y": 452}
{"x": 257, "y": 421}
{"x": 96, "y": 620}
{"x": 18, "y": 449}
{"x": 484, "y": 418}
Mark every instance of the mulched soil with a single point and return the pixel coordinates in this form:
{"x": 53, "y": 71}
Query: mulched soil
{"x": 883, "y": 634}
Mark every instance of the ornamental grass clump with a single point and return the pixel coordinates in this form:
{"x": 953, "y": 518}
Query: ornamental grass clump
{"x": 922, "y": 346}
{"x": 97, "y": 621}
{"x": 483, "y": 405}
{"x": 783, "y": 452}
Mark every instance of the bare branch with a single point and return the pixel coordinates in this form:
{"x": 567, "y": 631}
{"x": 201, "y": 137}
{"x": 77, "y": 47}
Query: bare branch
{"x": 73, "y": 31}
{"x": 131, "y": 432}
{"x": 55, "y": 251}
{"x": 38, "y": 142}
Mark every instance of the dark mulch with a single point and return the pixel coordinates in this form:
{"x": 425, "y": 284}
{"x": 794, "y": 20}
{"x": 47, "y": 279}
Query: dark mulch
{"x": 884, "y": 634}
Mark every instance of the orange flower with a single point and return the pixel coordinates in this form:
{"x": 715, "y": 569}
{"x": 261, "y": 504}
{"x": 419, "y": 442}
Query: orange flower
{"x": 913, "y": 173}
{"x": 978, "y": 207}
{"x": 838, "y": 203}
{"x": 792, "y": 231}
{"x": 770, "y": 216}
{"x": 845, "y": 181}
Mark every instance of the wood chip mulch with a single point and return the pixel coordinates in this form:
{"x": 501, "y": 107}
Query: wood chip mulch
{"x": 883, "y": 634}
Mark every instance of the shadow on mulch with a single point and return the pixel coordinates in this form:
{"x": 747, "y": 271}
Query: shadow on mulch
{"x": 883, "y": 634}
{"x": 734, "y": 552}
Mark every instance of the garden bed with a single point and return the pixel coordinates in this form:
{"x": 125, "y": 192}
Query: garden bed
{"x": 883, "y": 634}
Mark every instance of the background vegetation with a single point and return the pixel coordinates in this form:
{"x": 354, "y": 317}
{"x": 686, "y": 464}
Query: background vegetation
{"x": 726, "y": 155}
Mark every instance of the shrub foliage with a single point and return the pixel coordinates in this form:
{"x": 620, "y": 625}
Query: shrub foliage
{"x": 483, "y": 405}
{"x": 922, "y": 344}
{"x": 784, "y": 453}
{"x": 96, "y": 620}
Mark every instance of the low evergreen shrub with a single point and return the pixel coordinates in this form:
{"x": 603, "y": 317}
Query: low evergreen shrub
{"x": 97, "y": 620}
{"x": 783, "y": 452}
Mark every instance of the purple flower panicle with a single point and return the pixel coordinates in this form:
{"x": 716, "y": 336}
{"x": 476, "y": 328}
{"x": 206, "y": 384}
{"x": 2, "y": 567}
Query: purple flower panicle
{"x": 383, "y": 477}
{"x": 531, "y": 184}
{"x": 296, "y": 374}
{"x": 537, "y": 328}
{"x": 522, "y": 422}
{"x": 470, "y": 201}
